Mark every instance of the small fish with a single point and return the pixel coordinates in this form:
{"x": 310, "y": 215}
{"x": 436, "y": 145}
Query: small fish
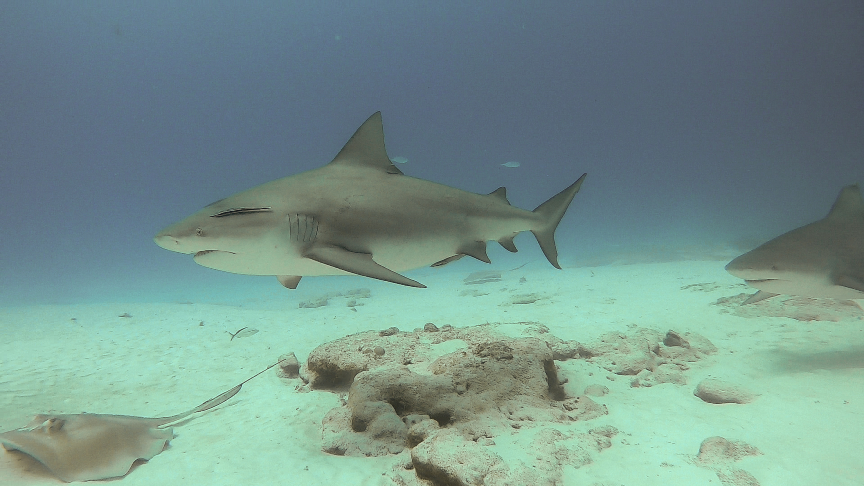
{"x": 399, "y": 160}
{"x": 125, "y": 315}
{"x": 512, "y": 164}
{"x": 243, "y": 332}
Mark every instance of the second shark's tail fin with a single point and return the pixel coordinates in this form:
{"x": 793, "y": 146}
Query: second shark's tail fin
{"x": 551, "y": 213}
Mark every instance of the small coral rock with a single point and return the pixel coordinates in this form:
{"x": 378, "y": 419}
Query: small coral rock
{"x": 717, "y": 450}
{"x": 647, "y": 349}
{"x": 446, "y": 458}
{"x": 596, "y": 390}
{"x": 716, "y": 391}
{"x": 719, "y": 455}
{"x": 289, "y": 367}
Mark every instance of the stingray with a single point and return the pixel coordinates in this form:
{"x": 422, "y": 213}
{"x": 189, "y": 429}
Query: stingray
{"x": 88, "y": 446}
{"x": 824, "y": 259}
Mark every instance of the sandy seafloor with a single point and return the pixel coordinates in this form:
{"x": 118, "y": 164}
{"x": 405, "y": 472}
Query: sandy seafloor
{"x": 807, "y": 420}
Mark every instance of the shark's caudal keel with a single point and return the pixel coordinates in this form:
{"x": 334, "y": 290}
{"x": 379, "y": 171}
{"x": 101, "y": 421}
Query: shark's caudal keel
{"x": 822, "y": 259}
{"x": 358, "y": 215}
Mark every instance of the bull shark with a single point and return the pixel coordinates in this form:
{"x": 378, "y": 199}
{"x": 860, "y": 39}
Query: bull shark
{"x": 359, "y": 215}
{"x": 822, "y": 259}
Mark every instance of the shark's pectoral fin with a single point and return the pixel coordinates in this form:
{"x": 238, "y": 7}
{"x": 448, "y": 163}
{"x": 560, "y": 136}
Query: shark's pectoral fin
{"x": 850, "y": 282}
{"x": 758, "y": 297}
{"x": 357, "y": 263}
{"x": 447, "y": 260}
{"x": 289, "y": 281}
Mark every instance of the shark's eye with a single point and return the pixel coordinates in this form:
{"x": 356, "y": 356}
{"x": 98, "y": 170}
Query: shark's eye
{"x": 233, "y": 211}
{"x": 199, "y": 232}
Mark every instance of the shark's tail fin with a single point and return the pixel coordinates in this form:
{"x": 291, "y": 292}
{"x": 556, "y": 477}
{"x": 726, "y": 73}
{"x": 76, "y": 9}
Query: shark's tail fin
{"x": 551, "y": 213}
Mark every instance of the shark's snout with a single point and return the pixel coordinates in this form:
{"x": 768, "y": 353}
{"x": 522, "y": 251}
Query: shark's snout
{"x": 744, "y": 267}
{"x": 737, "y": 269}
{"x": 168, "y": 242}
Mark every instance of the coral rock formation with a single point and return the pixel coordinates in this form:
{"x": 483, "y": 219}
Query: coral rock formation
{"x": 446, "y": 394}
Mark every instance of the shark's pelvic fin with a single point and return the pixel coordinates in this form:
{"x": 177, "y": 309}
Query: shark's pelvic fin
{"x": 366, "y": 147}
{"x": 551, "y": 212}
{"x": 476, "y": 249}
{"x": 357, "y": 263}
{"x": 289, "y": 281}
{"x": 447, "y": 260}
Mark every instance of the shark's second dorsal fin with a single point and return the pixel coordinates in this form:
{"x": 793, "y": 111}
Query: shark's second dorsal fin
{"x": 848, "y": 205}
{"x": 366, "y": 147}
{"x": 501, "y": 194}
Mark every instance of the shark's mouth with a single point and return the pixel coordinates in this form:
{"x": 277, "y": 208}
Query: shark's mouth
{"x": 204, "y": 252}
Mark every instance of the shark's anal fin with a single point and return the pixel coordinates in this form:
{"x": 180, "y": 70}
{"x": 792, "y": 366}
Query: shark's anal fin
{"x": 758, "y": 297}
{"x": 289, "y": 281}
{"x": 357, "y": 263}
{"x": 507, "y": 243}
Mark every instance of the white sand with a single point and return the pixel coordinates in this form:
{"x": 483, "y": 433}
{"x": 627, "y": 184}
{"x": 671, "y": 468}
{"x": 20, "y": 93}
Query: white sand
{"x": 808, "y": 421}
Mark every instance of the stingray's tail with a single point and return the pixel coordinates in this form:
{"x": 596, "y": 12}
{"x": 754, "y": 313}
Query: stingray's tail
{"x": 550, "y": 213}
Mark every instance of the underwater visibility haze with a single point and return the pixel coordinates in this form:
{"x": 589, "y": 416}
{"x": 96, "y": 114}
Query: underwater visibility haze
{"x": 708, "y": 130}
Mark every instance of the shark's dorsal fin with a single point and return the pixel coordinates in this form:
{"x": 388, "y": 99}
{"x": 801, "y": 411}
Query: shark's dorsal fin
{"x": 366, "y": 147}
{"x": 500, "y": 193}
{"x": 848, "y": 205}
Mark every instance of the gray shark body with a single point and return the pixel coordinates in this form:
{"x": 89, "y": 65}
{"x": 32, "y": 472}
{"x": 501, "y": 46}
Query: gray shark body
{"x": 357, "y": 215}
{"x": 822, "y": 259}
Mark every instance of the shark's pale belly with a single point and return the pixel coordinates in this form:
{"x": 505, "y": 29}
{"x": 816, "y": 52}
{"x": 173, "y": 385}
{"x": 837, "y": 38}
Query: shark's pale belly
{"x": 396, "y": 254}
{"x": 818, "y": 288}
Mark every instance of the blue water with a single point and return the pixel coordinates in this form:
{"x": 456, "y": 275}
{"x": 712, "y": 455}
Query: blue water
{"x": 698, "y": 123}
